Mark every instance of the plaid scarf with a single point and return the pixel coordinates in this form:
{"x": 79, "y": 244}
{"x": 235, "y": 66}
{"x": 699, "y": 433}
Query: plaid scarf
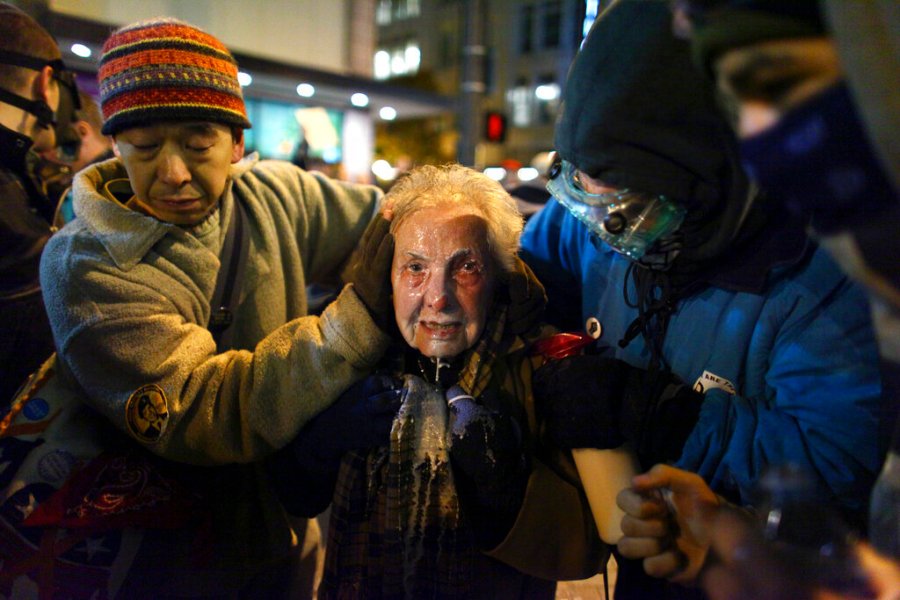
{"x": 396, "y": 530}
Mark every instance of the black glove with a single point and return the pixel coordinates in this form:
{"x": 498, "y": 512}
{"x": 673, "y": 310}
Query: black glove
{"x": 579, "y": 398}
{"x": 305, "y": 471}
{"x": 370, "y": 272}
{"x": 489, "y": 466}
{"x": 658, "y": 415}
{"x": 360, "y": 419}
{"x": 527, "y": 298}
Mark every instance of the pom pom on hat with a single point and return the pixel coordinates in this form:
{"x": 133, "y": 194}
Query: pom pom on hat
{"x": 167, "y": 70}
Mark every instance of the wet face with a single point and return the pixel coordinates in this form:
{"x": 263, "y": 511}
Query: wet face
{"x": 443, "y": 277}
{"x": 178, "y": 171}
{"x": 763, "y": 81}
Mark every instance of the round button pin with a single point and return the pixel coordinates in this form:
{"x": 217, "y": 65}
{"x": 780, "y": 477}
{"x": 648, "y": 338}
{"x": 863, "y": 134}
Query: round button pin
{"x": 593, "y": 327}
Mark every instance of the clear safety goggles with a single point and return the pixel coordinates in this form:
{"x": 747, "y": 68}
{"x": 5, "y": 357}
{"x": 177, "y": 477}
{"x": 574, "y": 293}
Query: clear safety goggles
{"x": 630, "y": 222}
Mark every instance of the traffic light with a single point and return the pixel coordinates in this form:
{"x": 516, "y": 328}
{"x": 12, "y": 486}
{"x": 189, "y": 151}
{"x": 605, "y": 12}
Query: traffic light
{"x": 495, "y": 127}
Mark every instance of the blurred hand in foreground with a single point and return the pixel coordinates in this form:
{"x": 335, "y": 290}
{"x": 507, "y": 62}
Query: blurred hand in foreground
{"x": 668, "y": 519}
{"x": 747, "y": 567}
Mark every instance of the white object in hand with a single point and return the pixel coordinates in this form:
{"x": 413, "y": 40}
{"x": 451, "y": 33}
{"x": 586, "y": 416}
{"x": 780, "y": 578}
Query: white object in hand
{"x": 605, "y": 473}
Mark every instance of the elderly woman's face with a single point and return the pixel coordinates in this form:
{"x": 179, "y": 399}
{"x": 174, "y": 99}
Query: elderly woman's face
{"x": 443, "y": 277}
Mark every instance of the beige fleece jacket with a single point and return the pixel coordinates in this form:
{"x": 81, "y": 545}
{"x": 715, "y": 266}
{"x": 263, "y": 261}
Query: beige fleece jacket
{"x": 129, "y": 299}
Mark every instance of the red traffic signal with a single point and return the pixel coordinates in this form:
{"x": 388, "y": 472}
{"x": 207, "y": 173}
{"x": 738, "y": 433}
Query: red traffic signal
{"x": 495, "y": 127}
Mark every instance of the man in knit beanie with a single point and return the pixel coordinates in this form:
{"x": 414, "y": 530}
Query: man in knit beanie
{"x": 720, "y": 327}
{"x": 177, "y": 302}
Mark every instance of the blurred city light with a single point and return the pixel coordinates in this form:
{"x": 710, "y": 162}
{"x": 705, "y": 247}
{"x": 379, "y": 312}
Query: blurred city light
{"x": 495, "y": 173}
{"x": 527, "y": 173}
{"x": 331, "y": 155}
{"x": 359, "y": 99}
{"x": 413, "y": 57}
{"x": 591, "y": 10}
{"x": 80, "y": 50}
{"x": 358, "y": 144}
{"x": 305, "y": 90}
{"x": 547, "y": 91}
{"x": 383, "y": 170}
{"x": 244, "y": 79}
{"x": 388, "y": 113}
{"x": 382, "y": 64}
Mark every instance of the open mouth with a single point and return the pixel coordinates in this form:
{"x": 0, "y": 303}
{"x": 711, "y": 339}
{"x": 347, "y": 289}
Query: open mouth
{"x": 440, "y": 329}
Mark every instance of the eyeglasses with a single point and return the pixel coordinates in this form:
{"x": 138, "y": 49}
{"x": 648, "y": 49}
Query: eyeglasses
{"x": 629, "y": 221}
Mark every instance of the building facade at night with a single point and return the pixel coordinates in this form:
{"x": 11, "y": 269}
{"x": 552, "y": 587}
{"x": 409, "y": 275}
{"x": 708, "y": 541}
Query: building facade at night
{"x": 528, "y": 46}
{"x": 306, "y": 69}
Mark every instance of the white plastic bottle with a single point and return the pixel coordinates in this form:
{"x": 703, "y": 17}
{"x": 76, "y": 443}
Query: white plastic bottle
{"x": 605, "y": 473}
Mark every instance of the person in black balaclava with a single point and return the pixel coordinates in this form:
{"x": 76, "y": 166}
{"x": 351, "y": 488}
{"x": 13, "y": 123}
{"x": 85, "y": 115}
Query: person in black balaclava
{"x": 726, "y": 340}
{"x": 812, "y": 87}
{"x": 37, "y": 99}
{"x": 817, "y": 109}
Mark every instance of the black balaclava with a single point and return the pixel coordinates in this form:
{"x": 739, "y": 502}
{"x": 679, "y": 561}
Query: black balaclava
{"x": 637, "y": 114}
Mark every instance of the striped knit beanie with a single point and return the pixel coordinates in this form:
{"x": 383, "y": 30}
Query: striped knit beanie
{"x": 167, "y": 70}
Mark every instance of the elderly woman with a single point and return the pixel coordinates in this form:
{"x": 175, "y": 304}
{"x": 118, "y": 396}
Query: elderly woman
{"x": 426, "y": 511}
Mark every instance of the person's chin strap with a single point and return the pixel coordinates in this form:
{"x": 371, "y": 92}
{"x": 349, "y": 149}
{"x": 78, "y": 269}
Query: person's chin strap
{"x": 39, "y": 108}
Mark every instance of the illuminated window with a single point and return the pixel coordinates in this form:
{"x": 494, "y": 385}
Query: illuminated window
{"x": 546, "y": 94}
{"x": 399, "y": 10}
{"x": 382, "y": 64}
{"x": 591, "y": 10}
{"x": 277, "y": 130}
{"x": 413, "y": 57}
{"x": 519, "y": 100}
{"x": 383, "y": 12}
{"x": 405, "y": 9}
{"x": 397, "y": 60}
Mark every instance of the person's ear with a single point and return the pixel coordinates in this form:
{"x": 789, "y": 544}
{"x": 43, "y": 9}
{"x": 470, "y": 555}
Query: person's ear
{"x": 42, "y": 88}
{"x": 237, "y": 149}
{"x": 115, "y": 148}
{"x": 83, "y": 129}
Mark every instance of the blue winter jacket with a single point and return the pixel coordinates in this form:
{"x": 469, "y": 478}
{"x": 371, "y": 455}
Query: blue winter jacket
{"x": 790, "y": 374}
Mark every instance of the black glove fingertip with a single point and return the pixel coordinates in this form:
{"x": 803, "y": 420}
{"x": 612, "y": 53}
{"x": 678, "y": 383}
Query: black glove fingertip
{"x": 387, "y": 401}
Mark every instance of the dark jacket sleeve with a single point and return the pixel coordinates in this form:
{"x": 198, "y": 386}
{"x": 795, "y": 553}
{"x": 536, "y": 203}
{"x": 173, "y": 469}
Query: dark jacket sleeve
{"x": 304, "y": 484}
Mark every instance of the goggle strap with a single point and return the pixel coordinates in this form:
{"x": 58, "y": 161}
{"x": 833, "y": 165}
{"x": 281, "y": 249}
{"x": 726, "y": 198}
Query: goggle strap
{"x": 39, "y": 109}
{"x": 30, "y": 62}
{"x": 60, "y": 72}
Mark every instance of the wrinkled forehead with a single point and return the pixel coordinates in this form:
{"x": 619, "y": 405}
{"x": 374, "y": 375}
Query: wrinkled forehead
{"x": 442, "y": 232}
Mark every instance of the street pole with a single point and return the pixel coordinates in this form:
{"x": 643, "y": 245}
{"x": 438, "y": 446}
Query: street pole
{"x": 472, "y": 87}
